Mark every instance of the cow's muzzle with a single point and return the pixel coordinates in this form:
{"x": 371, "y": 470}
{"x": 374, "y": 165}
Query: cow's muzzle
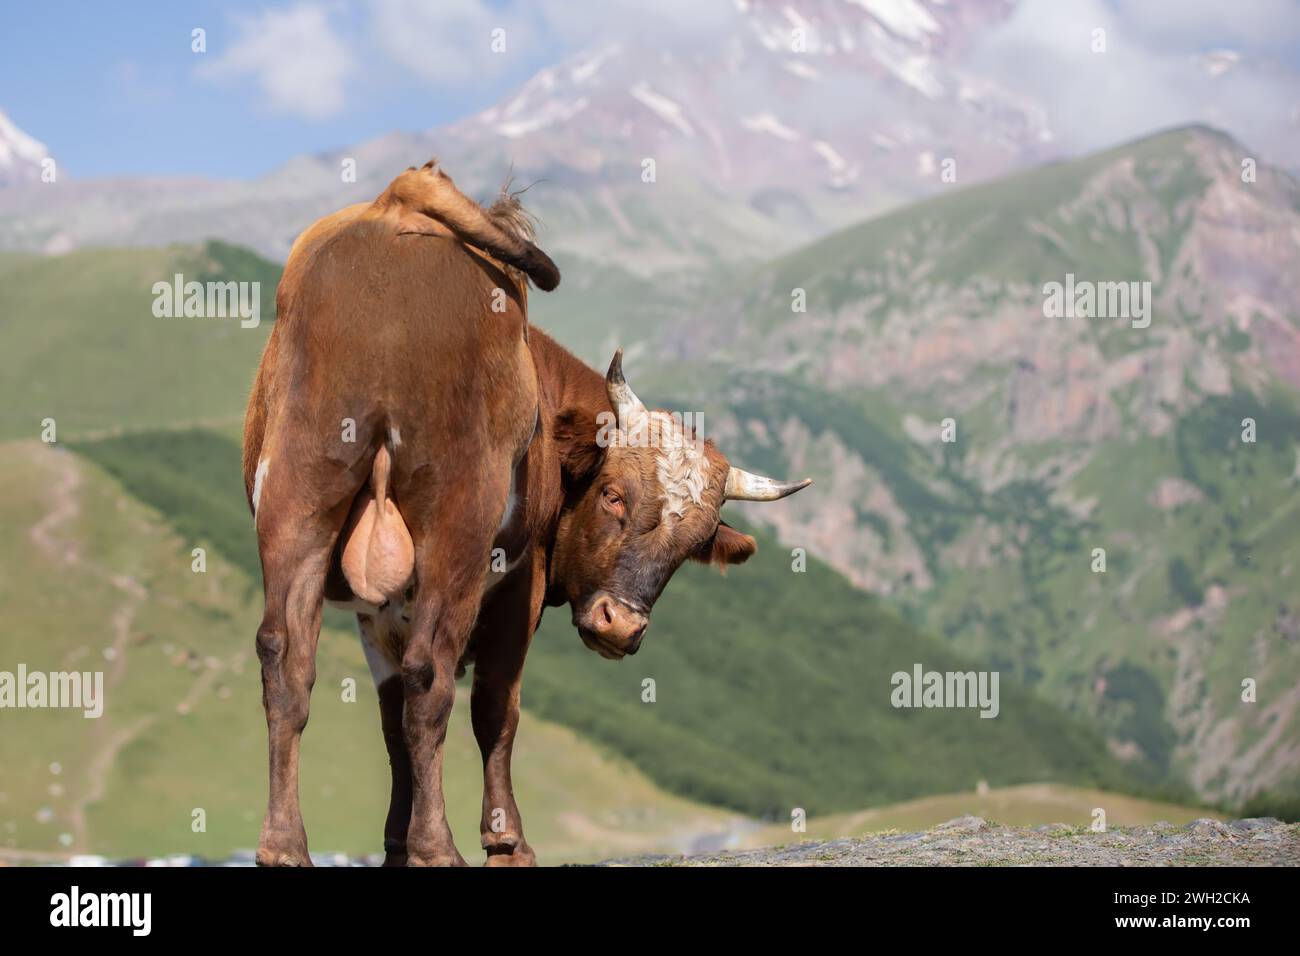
{"x": 610, "y": 627}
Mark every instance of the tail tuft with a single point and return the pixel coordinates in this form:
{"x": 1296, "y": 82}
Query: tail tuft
{"x": 505, "y": 231}
{"x": 538, "y": 266}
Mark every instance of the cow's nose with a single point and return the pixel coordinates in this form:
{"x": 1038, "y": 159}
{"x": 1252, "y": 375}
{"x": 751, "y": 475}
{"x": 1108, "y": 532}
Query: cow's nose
{"x": 634, "y": 642}
{"x": 615, "y": 621}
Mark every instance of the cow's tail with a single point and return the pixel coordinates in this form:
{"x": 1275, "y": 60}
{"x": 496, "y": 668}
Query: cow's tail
{"x": 502, "y": 232}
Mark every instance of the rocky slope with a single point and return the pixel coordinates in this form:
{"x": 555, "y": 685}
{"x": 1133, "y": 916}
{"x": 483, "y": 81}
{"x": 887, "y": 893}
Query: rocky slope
{"x": 1068, "y": 435}
{"x": 971, "y": 841}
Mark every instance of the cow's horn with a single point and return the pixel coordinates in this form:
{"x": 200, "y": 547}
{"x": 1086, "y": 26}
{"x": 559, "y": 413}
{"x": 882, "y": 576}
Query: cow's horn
{"x": 743, "y": 486}
{"x": 620, "y": 393}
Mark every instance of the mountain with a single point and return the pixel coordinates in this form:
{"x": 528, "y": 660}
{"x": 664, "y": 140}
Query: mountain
{"x": 20, "y": 155}
{"x": 1071, "y": 434}
{"x": 773, "y": 686}
{"x": 873, "y": 96}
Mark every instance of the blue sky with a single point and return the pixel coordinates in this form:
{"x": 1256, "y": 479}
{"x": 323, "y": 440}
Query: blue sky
{"x": 114, "y": 88}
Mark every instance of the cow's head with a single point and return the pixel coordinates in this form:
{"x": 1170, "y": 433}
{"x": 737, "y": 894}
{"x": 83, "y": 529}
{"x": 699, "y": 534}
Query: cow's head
{"x": 642, "y": 496}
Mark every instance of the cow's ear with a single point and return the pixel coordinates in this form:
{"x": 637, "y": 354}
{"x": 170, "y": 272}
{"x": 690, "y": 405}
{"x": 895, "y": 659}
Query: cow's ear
{"x": 576, "y": 432}
{"x": 727, "y": 546}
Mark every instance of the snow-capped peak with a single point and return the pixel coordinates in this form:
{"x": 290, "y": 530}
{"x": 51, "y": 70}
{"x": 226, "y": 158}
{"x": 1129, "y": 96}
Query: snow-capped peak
{"x": 906, "y": 18}
{"x": 20, "y": 154}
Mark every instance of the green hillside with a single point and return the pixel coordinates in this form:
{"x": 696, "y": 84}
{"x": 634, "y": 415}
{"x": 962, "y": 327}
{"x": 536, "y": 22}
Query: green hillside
{"x": 1070, "y": 435}
{"x": 82, "y": 344}
{"x": 981, "y": 229}
{"x": 772, "y": 687}
{"x": 92, "y": 579}
{"x": 772, "y": 692}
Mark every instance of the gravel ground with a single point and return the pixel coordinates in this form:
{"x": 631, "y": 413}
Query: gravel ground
{"x": 971, "y": 841}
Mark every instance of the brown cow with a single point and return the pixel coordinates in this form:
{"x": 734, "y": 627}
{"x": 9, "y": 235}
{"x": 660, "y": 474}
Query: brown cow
{"x": 491, "y": 474}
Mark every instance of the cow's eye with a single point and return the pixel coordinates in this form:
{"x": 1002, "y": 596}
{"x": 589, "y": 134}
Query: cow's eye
{"x": 613, "y": 501}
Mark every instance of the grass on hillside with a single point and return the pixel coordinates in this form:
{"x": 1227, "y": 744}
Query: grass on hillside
{"x": 91, "y": 579}
{"x": 83, "y": 346}
{"x": 772, "y": 687}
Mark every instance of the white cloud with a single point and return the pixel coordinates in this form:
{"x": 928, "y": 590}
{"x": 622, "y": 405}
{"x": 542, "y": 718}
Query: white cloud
{"x": 303, "y": 58}
{"x": 295, "y": 56}
{"x": 673, "y": 23}
{"x": 449, "y": 43}
{"x": 1265, "y": 27}
{"x": 1153, "y": 74}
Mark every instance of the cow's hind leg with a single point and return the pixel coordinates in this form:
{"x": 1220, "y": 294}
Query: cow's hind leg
{"x": 295, "y": 557}
{"x": 453, "y": 547}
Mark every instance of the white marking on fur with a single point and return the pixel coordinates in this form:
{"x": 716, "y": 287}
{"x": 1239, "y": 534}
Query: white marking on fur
{"x": 512, "y": 501}
{"x": 381, "y": 668}
{"x": 494, "y": 578}
{"x": 395, "y": 437}
{"x": 262, "y": 467}
{"x": 384, "y": 632}
{"x": 682, "y": 468}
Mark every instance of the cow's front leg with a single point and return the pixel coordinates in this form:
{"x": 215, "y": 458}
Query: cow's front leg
{"x": 388, "y": 685}
{"x": 495, "y": 711}
{"x": 391, "y": 704}
{"x": 506, "y": 630}
{"x": 398, "y": 821}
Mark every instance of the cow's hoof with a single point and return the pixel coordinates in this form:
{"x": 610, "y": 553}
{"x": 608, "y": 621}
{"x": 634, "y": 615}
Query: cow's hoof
{"x": 283, "y": 849}
{"x": 520, "y": 854}
{"x": 507, "y": 849}
{"x": 437, "y": 858}
{"x": 395, "y": 858}
{"x": 267, "y": 856}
